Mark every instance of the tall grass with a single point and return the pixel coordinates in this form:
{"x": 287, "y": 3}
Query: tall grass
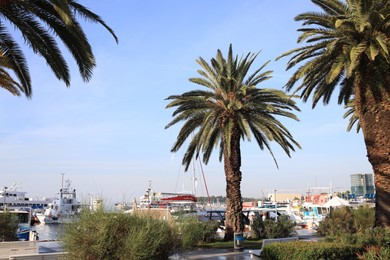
{"x": 101, "y": 235}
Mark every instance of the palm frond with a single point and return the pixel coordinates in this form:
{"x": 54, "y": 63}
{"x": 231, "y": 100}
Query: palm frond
{"x": 232, "y": 109}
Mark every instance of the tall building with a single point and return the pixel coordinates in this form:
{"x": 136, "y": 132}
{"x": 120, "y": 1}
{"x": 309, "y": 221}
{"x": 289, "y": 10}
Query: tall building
{"x": 362, "y": 184}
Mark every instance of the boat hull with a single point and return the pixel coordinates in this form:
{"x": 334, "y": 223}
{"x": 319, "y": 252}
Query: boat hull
{"x": 43, "y": 219}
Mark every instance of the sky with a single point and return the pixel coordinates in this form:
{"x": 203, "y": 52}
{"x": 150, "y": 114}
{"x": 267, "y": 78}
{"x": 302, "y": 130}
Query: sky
{"x": 107, "y": 135}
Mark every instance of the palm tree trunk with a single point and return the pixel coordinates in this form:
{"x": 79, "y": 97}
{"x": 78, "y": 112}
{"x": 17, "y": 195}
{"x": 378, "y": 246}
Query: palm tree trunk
{"x": 374, "y": 119}
{"x": 232, "y": 165}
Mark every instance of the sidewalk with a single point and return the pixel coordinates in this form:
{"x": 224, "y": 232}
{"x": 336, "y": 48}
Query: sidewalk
{"x": 231, "y": 254}
{"x": 215, "y": 254}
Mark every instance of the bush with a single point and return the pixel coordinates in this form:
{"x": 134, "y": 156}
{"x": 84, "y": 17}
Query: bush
{"x": 375, "y": 253}
{"x": 374, "y": 237}
{"x": 309, "y": 250}
{"x": 344, "y": 221}
{"x": 193, "y": 232}
{"x": 340, "y": 221}
{"x": 270, "y": 228}
{"x": 102, "y": 235}
{"x": 8, "y": 227}
{"x": 364, "y": 218}
{"x": 373, "y": 242}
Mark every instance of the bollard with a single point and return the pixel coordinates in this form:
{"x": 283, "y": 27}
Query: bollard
{"x": 238, "y": 241}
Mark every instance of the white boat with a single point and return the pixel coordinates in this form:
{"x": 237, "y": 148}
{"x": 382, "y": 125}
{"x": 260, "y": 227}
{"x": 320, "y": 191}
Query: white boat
{"x": 63, "y": 209}
{"x": 11, "y": 198}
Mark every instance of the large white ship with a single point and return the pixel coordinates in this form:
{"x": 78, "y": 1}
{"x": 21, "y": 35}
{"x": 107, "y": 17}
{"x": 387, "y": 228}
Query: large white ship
{"x": 11, "y": 198}
{"x": 63, "y": 209}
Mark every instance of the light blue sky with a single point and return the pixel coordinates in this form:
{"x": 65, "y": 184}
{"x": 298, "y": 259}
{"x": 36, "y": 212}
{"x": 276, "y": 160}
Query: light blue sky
{"x": 108, "y": 135}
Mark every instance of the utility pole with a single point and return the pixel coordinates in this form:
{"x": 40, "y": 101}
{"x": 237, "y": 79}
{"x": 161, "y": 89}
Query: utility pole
{"x": 276, "y": 205}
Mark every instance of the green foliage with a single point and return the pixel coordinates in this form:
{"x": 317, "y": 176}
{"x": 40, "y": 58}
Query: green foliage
{"x": 346, "y": 43}
{"x": 364, "y": 218}
{"x": 375, "y": 237}
{"x": 44, "y": 24}
{"x": 270, "y": 228}
{"x": 193, "y": 232}
{"x": 8, "y": 227}
{"x": 309, "y": 250}
{"x": 375, "y": 253}
{"x": 149, "y": 239}
{"x": 373, "y": 243}
{"x": 345, "y": 221}
{"x": 102, "y": 235}
{"x": 340, "y": 221}
{"x": 370, "y": 237}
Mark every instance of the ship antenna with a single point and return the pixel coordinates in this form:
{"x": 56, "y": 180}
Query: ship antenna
{"x": 62, "y": 181}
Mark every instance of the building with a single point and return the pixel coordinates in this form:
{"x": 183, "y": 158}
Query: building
{"x": 318, "y": 199}
{"x": 362, "y": 184}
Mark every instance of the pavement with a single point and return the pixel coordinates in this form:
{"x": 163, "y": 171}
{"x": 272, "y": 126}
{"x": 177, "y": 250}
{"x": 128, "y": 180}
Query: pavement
{"x": 215, "y": 254}
{"x": 49, "y": 247}
{"x": 231, "y": 254}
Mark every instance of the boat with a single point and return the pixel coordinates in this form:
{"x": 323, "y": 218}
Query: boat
{"x": 174, "y": 201}
{"x": 122, "y": 206}
{"x": 64, "y": 208}
{"x": 14, "y": 199}
{"x": 24, "y": 231}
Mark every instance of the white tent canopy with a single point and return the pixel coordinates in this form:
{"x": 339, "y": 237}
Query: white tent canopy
{"x": 336, "y": 202}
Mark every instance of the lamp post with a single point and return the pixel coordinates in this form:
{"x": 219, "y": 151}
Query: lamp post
{"x": 5, "y": 197}
{"x": 262, "y": 198}
{"x": 276, "y": 205}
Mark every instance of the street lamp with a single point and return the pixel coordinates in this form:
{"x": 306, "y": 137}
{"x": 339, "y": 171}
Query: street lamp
{"x": 5, "y": 197}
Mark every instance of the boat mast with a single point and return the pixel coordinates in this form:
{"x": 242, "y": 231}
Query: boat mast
{"x": 62, "y": 181}
{"x": 193, "y": 177}
{"x": 62, "y": 184}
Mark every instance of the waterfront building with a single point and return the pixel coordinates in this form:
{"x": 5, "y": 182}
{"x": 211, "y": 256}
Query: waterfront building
{"x": 362, "y": 184}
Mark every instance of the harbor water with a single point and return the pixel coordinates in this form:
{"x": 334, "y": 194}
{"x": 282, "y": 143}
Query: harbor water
{"x": 50, "y": 232}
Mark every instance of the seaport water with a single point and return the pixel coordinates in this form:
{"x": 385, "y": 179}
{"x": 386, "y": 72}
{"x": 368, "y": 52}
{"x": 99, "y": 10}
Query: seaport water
{"x": 49, "y": 232}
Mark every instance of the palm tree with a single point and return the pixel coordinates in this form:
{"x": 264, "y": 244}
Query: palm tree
{"x": 40, "y": 22}
{"x": 347, "y": 46}
{"x": 354, "y": 117}
{"x": 231, "y": 109}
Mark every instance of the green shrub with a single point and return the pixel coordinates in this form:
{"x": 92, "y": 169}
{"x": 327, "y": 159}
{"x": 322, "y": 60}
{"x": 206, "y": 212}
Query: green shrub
{"x": 257, "y": 228}
{"x": 309, "y": 250}
{"x": 270, "y": 228}
{"x": 193, "y": 232}
{"x": 375, "y": 253}
{"x": 344, "y": 221}
{"x": 364, "y": 218}
{"x": 103, "y": 235}
{"x": 375, "y": 240}
{"x": 340, "y": 221}
{"x": 151, "y": 239}
{"x": 8, "y": 227}
{"x": 374, "y": 237}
